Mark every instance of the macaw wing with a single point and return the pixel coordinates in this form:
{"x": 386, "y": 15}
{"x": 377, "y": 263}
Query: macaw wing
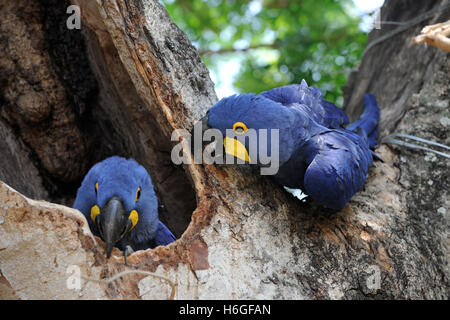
{"x": 311, "y": 101}
{"x": 338, "y": 170}
{"x": 163, "y": 235}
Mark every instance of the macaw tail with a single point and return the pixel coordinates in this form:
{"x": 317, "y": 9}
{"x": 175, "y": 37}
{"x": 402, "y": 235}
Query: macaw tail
{"x": 368, "y": 122}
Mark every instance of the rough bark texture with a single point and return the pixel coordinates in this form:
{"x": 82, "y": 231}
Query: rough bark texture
{"x": 123, "y": 84}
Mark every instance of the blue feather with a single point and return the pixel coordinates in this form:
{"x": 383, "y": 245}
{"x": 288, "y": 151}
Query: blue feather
{"x": 310, "y": 100}
{"x": 120, "y": 177}
{"x": 368, "y": 122}
{"x": 317, "y": 154}
{"x": 163, "y": 235}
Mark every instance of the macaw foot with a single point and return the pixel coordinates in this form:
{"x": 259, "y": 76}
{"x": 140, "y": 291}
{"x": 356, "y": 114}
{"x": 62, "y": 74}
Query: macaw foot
{"x": 128, "y": 250}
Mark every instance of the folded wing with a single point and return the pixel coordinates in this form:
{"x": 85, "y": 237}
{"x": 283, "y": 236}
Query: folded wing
{"x": 339, "y": 169}
{"x": 310, "y": 100}
{"x": 163, "y": 235}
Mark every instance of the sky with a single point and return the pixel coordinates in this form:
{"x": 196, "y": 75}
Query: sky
{"x": 228, "y": 69}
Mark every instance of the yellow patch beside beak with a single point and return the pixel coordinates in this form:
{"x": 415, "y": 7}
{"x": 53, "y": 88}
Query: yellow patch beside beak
{"x": 95, "y": 211}
{"x": 134, "y": 217}
{"x": 236, "y": 148}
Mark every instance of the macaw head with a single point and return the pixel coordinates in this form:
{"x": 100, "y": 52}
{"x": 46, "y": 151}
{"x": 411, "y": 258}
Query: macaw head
{"x": 239, "y": 113}
{"x": 118, "y": 200}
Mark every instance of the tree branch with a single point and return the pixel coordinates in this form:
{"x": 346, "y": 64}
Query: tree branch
{"x": 204, "y": 52}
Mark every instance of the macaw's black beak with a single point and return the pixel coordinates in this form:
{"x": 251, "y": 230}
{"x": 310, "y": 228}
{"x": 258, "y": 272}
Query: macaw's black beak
{"x": 113, "y": 223}
{"x": 201, "y": 125}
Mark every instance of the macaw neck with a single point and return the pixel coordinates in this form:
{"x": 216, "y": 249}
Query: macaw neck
{"x": 148, "y": 221}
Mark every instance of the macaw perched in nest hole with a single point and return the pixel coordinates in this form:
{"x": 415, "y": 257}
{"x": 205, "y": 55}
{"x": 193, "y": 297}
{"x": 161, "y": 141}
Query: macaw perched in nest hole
{"x": 317, "y": 153}
{"x": 118, "y": 200}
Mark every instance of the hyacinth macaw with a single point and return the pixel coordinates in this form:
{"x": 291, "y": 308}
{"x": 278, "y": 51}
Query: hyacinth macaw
{"x": 317, "y": 153}
{"x": 119, "y": 202}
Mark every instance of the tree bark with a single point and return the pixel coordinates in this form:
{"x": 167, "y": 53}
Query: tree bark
{"x": 122, "y": 84}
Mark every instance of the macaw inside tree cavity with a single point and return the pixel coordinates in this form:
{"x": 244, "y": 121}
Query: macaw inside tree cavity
{"x": 119, "y": 202}
{"x": 317, "y": 152}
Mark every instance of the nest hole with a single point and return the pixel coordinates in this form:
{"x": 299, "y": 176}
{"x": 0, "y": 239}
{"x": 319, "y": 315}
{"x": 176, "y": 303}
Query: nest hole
{"x": 108, "y": 115}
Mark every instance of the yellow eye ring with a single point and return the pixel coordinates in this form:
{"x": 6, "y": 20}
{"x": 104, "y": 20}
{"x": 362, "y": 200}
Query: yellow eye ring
{"x": 134, "y": 217}
{"x": 239, "y": 125}
{"x": 96, "y": 187}
{"x": 95, "y": 211}
{"x": 138, "y": 194}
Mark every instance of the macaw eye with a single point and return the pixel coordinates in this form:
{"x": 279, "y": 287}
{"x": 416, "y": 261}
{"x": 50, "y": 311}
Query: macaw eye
{"x": 96, "y": 187}
{"x": 239, "y": 128}
{"x": 138, "y": 194}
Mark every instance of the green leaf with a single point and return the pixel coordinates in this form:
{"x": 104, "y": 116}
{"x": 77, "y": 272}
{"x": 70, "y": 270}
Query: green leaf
{"x": 278, "y": 42}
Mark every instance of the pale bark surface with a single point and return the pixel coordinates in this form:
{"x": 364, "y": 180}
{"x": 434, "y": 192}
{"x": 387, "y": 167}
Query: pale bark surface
{"x": 130, "y": 77}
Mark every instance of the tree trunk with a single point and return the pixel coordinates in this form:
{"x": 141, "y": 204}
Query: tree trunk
{"x": 122, "y": 84}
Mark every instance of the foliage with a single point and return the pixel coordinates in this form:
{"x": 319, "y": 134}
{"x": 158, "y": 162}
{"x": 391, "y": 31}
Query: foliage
{"x": 276, "y": 41}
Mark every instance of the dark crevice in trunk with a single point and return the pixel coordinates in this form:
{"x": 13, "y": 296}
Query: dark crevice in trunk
{"x": 104, "y": 115}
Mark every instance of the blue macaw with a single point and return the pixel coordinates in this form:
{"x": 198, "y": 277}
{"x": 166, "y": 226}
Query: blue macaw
{"x": 318, "y": 154}
{"x": 118, "y": 200}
